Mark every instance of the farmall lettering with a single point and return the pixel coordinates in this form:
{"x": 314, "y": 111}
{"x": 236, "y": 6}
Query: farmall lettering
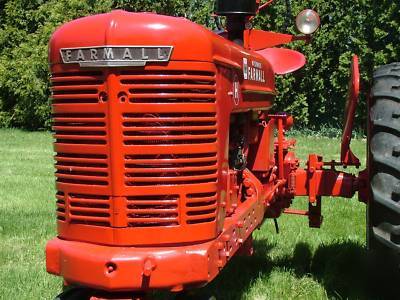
{"x": 253, "y": 71}
{"x": 116, "y": 56}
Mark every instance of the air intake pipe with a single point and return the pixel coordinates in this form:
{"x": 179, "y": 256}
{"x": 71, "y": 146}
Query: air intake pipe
{"x": 236, "y": 12}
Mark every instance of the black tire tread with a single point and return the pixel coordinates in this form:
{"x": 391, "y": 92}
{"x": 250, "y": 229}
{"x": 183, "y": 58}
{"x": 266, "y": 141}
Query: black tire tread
{"x": 388, "y": 70}
{"x": 384, "y": 212}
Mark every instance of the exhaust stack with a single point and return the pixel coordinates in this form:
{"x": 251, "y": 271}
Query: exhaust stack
{"x": 237, "y": 13}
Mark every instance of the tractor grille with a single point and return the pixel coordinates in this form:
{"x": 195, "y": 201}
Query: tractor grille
{"x": 76, "y": 87}
{"x": 162, "y": 141}
{"x": 88, "y": 169}
{"x": 84, "y": 209}
{"x": 89, "y": 209}
{"x": 201, "y": 208}
{"x": 75, "y": 129}
{"x": 159, "y": 133}
{"x": 146, "y": 211}
{"x": 80, "y": 128}
{"x": 61, "y": 205}
{"x": 170, "y": 86}
{"x": 170, "y": 129}
{"x": 167, "y": 129}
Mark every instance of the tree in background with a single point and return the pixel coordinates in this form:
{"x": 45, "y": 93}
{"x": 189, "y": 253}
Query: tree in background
{"x": 315, "y": 95}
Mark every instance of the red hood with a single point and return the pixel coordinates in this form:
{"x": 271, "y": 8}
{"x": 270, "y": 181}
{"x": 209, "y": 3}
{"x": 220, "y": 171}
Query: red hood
{"x": 191, "y": 42}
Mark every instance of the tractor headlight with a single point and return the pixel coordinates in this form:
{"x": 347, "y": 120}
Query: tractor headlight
{"x": 308, "y": 21}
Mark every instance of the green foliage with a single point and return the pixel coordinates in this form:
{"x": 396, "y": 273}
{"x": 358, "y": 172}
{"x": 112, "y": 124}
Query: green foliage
{"x": 314, "y": 95}
{"x": 24, "y": 76}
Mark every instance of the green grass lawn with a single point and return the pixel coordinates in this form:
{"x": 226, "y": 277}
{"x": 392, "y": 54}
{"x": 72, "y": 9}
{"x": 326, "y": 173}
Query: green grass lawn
{"x": 297, "y": 263}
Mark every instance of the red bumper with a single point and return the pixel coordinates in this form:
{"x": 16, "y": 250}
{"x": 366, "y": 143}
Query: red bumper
{"x": 128, "y": 268}
{"x": 139, "y": 268}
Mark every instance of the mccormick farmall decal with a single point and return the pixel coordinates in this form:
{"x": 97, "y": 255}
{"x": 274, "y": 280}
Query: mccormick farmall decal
{"x": 253, "y": 71}
{"x": 116, "y": 56}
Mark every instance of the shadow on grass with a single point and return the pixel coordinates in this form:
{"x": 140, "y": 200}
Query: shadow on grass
{"x": 236, "y": 278}
{"x": 341, "y": 268}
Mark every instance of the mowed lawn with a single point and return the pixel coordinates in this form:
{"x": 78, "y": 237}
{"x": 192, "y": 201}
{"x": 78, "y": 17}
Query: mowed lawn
{"x": 297, "y": 263}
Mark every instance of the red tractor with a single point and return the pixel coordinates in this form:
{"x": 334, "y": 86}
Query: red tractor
{"x": 168, "y": 156}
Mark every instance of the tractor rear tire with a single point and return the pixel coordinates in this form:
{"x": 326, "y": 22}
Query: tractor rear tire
{"x": 383, "y": 213}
